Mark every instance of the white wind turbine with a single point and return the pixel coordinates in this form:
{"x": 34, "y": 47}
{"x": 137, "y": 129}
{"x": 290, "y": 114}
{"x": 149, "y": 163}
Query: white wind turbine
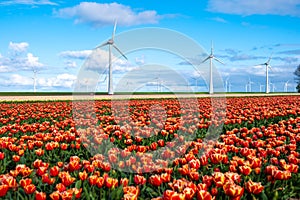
{"x": 211, "y": 57}
{"x": 267, "y": 64}
{"x": 249, "y": 85}
{"x": 273, "y": 86}
{"x": 196, "y": 80}
{"x": 260, "y": 87}
{"x": 111, "y": 43}
{"x": 286, "y": 86}
{"x": 227, "y": 84}
{"x": 34, "y": 79}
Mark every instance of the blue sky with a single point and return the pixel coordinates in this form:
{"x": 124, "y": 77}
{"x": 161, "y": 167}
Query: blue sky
{"x": 55, "y": 37}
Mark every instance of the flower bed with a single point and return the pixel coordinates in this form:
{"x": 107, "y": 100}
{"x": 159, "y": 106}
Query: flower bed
{"x": 49, "y": 150}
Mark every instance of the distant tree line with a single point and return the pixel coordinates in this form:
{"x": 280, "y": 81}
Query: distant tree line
{"x": 297, "y": 78}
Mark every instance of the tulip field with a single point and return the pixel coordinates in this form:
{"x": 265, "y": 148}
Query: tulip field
{"x": 247, "y": 148}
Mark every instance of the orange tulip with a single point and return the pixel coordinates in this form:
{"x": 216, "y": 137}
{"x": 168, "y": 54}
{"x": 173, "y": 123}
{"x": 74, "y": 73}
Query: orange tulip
{"x": 40, "y": 196}
{"x": 54, "y": 171}
{"x": 219, "y": 179}
{"x": 39, "y": 152}
{"x": 253, "y": 187}
{"x": 194, "y": 163}
{"x": 233, "y": 190}
{"x": 155, "y": 180}
{"x": 16, "y": 158}
{"x": 111, "y": 182}
{"x": 93, "y": 179}
{"x": 139, "y": 180}
{"x": 189, "y": 193}
{"x": 245, "y": 170}
{"x": 169, "y": 195}
{"x": 165, "y": 177}
{"x": 203, "y": 195}
{"x": 83, "y": 175}
{"x": 29, "y": 189}
{"x": 100, "y": 182}
{"x": 25, "y": 182}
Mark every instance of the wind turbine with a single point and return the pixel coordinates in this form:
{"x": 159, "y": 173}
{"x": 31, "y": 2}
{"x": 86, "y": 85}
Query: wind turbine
{"x": 227, "y": 84}
{"x": 249, "y": 85}
{"x": 267, "y": 64}
{"x": 34, "y": 80}
{"x": 286, "y": 86}
{"x": 196, "y": 79}
{"x": 111, "y": 43}
{"x": 211, "y": 57}
{"x": 260, "y": 87}
{"x": 273, "y": 87}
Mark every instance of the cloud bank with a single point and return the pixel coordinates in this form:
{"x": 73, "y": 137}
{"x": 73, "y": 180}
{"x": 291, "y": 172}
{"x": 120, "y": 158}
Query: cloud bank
{"x": 102, "y": 14}
{"x": 255, "y": 7}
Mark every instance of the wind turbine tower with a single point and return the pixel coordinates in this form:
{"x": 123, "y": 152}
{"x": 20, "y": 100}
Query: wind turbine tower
{"x": 286, "y": 86}
{"x": 268, "y": 66}
{"x": 111, "y": 43}
{"x": 211, "y": 57}
{"x": 34, "y": 80}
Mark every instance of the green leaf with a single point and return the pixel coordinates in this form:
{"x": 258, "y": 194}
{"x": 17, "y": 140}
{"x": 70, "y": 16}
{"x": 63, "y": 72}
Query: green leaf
{"x": 263, "y": 196}
{"x": 78, "y": 184}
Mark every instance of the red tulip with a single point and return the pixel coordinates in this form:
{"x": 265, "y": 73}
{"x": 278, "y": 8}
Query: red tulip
{"x": 54, "y": 171}
{"x": 3, "y": 190}
{"x": 155, "y": 180}
{"x": 203, "y": 195}
{"x": 16, "y": 158}
{"x": 93, "y": 179}
{"x": 2, "y": 155}
{"x": 111, "y": 182}
{"x": 29, "y": 189}
{"x": 219, "y": 179}
{"x": 245, "y": 170}
{"x": 189, "y": 193}
{"x": 40, "y": 196}
{"x": 139, "y": 180}
{"x": 253, "y": 187}
{"x": 233, "y": 190}
{"x": 100, "y": 182}
{"x": 25, "y": 182}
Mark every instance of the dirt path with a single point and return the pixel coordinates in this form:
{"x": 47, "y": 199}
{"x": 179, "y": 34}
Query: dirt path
{"x": 107, "y": 97}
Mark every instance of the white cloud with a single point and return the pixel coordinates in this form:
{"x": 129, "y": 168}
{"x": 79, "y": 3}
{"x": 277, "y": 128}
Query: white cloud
{"x": 16, "y": 79}
{"x": 32, "y": 61}
{"x": 28, "y": 2}
{"x": 101, "y": 14}
{"x": 19, "y": 58}
{"x": 62, "y": 80}
{"x": 4, "y": 69}
{"x": 240, "y": 7}
{"x": 70, "y": 64}
{"x": 76, "y": 54}
{"x": 140, "y": 60}
{"x": 219, "y": 19}
{"x": 18, "y": 47}
{"x": 98, "y": 61}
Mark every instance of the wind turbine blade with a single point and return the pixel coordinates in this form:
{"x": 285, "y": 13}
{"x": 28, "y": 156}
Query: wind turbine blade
{"x": 219, "y": 61}
{"x": 269, "y": 59}
{"x": 271, "y": 69}
{"x": 114, "y": 31}
{"x": 205, "y": 59}
{"x": 119, "y": 51}
{"x": 102, "y": 45}
{"x": 212, "y": 48}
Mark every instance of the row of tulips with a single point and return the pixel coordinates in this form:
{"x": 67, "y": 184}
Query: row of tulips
{"x": 49, "y": 150}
